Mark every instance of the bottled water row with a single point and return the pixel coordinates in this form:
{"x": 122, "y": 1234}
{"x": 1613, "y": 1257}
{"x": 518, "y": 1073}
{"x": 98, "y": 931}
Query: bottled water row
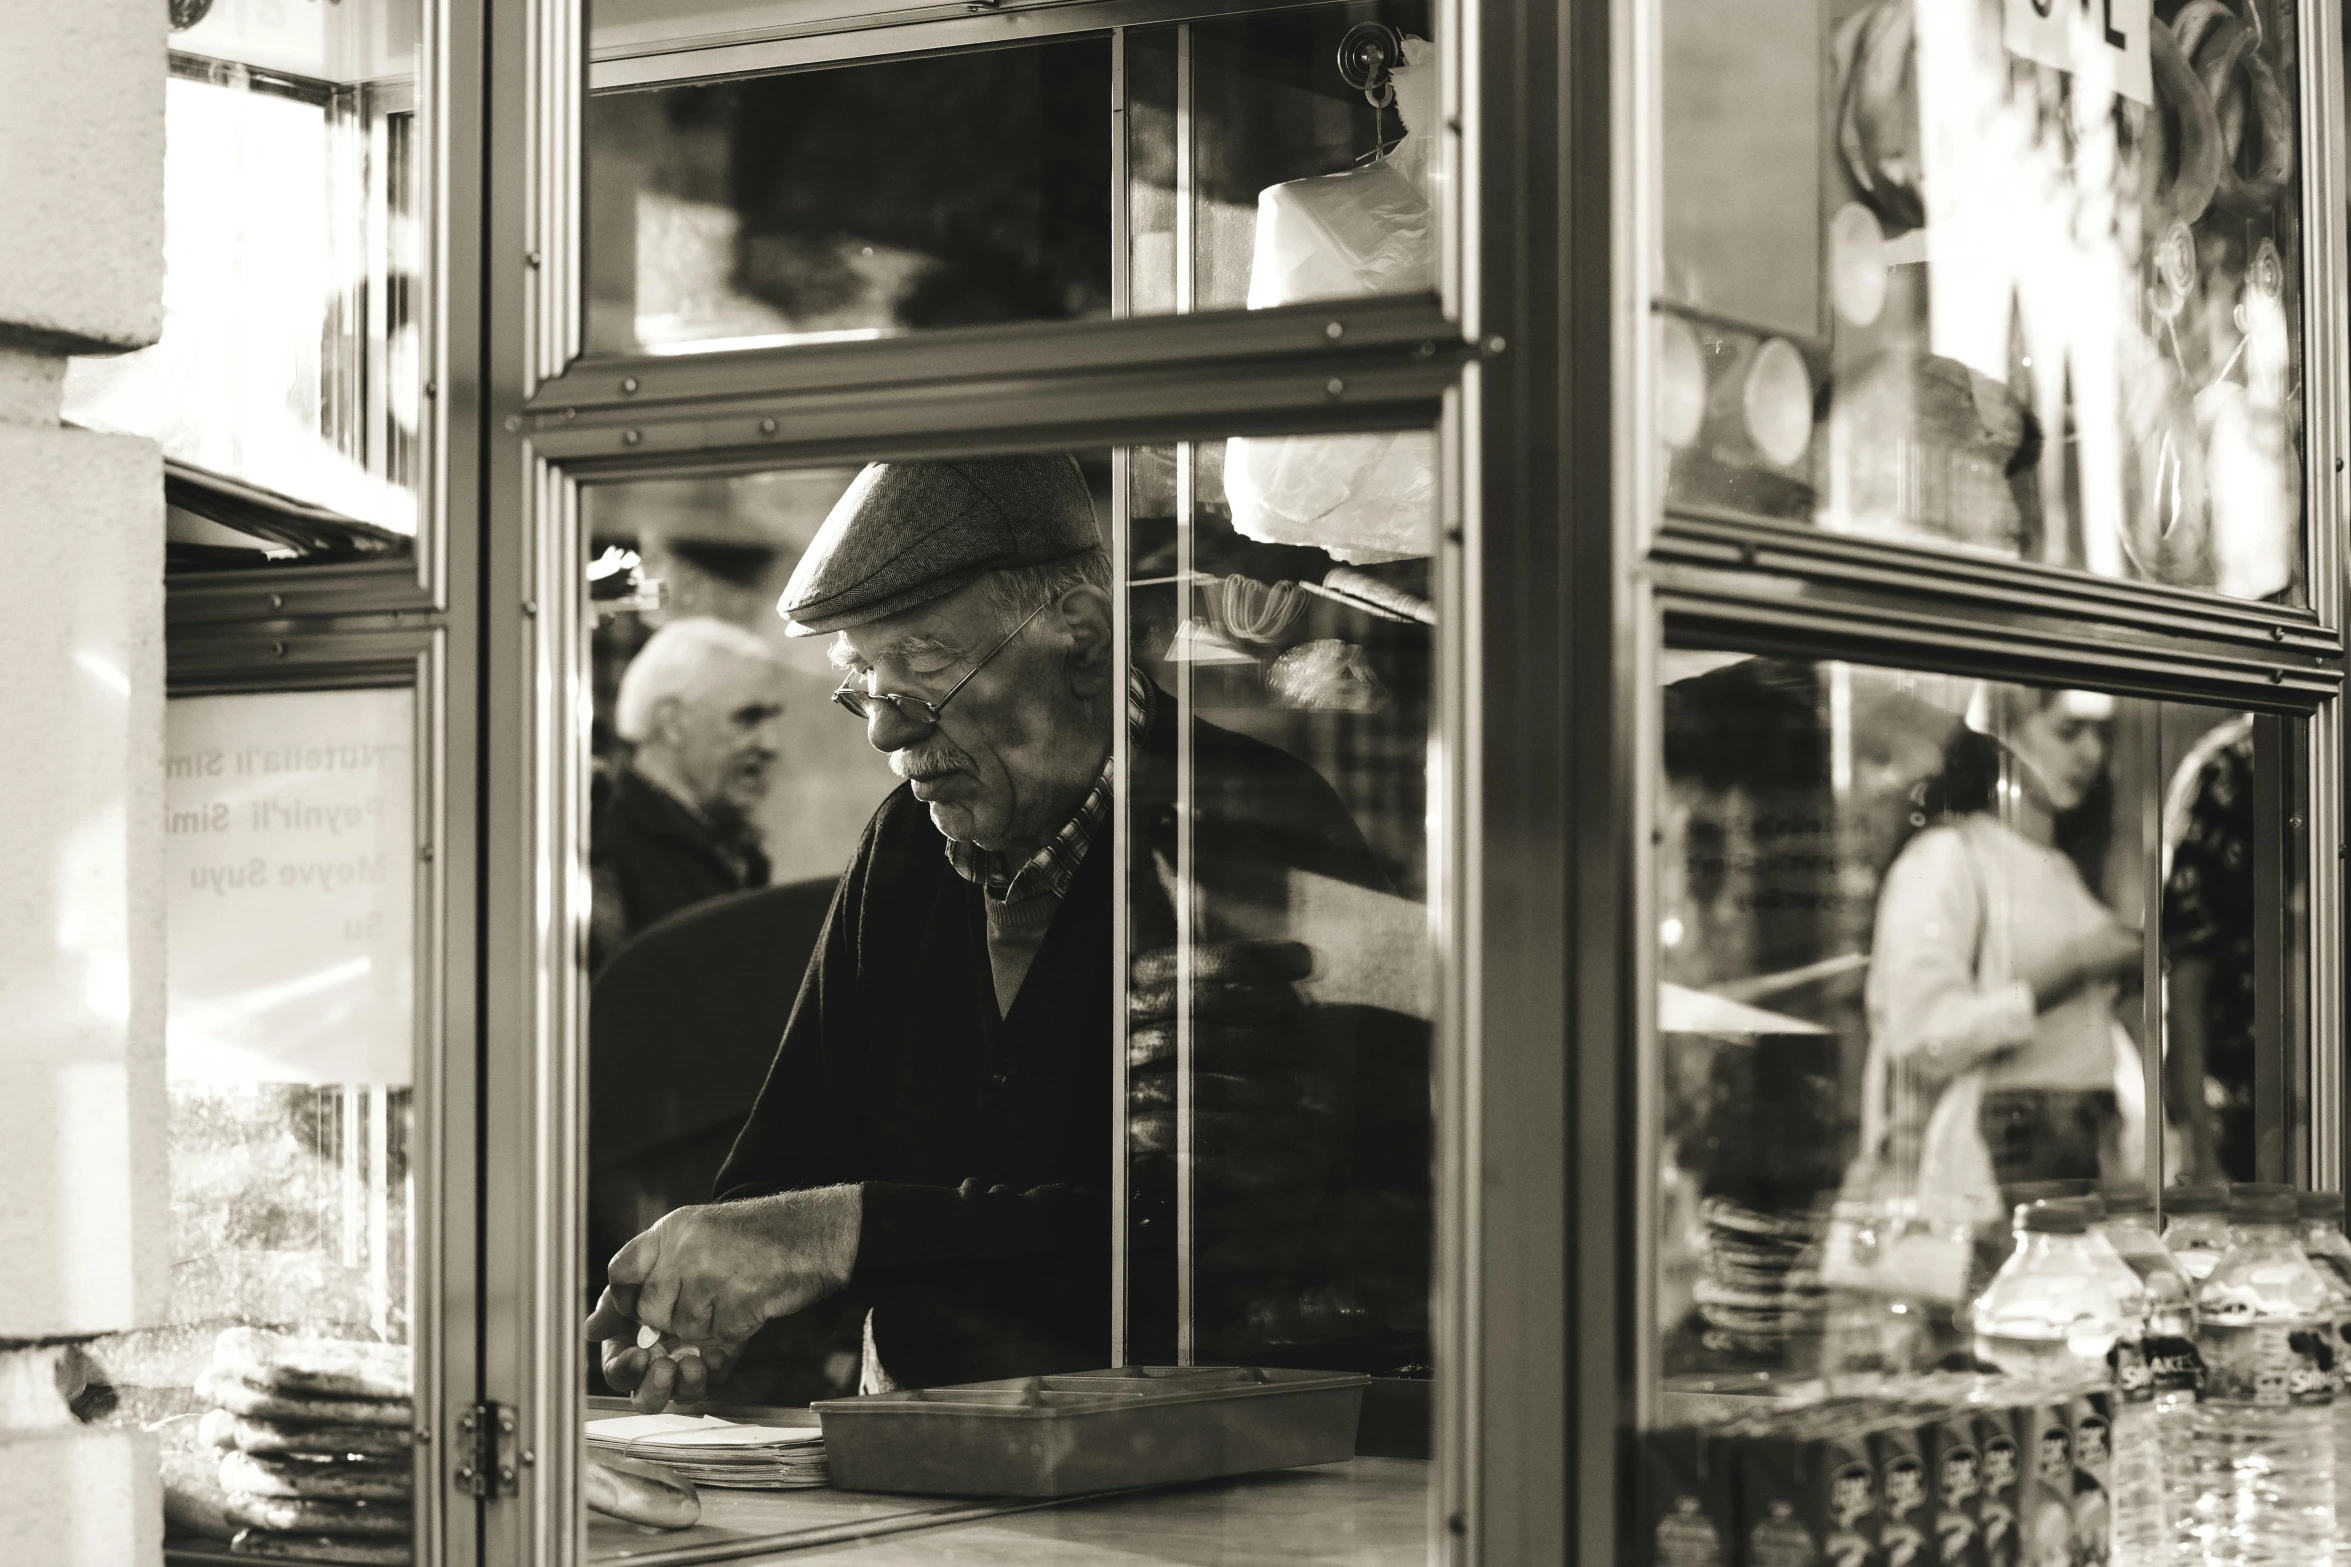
{"x": 2221, "y": 1341}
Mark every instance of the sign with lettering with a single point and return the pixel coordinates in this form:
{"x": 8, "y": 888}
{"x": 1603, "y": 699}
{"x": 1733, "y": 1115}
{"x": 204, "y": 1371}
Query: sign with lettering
{"x": 2104, "y": 38}
{"x": 290, "y": 862}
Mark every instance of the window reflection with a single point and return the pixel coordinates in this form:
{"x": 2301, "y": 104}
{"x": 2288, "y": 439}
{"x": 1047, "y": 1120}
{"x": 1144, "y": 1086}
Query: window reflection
{"x": 2013, "y": 285}
{"x": 726, "y": 797}
{"x": 883, "y": 1083}
{"x": 1907, "y": 914}
{"x": 1253, "y": 161}
{"x": 2209, "y": 946}
{"x": 1282, "y": 158}
{"x": 285, "y": 390}
{"x": 290, "y": 854}
{"x": 776, "y": 207}
{"x": 1280, "y": 947}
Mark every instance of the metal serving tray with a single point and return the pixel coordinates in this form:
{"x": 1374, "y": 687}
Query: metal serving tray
{"x": 1090, "y": 1430}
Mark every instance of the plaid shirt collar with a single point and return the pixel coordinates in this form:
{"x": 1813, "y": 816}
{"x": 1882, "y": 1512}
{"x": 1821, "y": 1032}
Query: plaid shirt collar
{"x": 1049, "y": 871}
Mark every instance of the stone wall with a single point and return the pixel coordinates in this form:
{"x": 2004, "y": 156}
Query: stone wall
{"x": 82, "y": 1172}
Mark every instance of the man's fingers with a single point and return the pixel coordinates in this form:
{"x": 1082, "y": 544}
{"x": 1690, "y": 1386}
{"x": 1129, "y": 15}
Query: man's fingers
{"x": 693, "y": 1379}
{"x": 661, "y": 1378}
{"x": 611, "y": 1319}
{"x": 624, "y": 1365}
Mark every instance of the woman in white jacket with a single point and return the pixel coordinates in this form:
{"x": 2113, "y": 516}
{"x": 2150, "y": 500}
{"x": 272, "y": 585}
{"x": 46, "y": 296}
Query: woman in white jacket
{"x": 1992, "y": 955}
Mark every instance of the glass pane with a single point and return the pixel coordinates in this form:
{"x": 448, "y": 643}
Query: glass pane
{"x": 1264, "y": 169}
{"x": 720, "y": 837}
{"x": 878, "y": 1026}
{"x": 1282, "y": 1000}
{"x": 1990, "y": 278}
{"x": 1260, "y": 160}
{"x": 2231, "y": 884}
{"x": 280, "y": 1385}
{"x": 852, "y": 201}
{"x": 285, "y": 388}
{"x": 1906, "y": 926}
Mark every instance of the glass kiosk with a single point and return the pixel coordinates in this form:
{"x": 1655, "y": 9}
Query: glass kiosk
{"x": 1659, "y": 552}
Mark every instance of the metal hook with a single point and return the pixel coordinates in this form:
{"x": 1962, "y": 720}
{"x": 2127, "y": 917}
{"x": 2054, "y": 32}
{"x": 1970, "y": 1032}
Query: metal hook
{"x": 1369, "y": 53}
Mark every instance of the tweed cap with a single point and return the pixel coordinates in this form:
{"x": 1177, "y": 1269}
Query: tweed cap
{"x": 906, "y": 533}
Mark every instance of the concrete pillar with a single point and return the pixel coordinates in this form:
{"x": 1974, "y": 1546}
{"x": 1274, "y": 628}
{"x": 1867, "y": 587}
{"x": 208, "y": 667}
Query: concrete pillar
{"x": 83, "y": 1197}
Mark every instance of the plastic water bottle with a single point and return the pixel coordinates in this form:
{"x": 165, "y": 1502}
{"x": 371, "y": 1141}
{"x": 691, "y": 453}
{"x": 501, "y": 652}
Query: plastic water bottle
{"x": 2196, "y": 1228}
{"x": 2049, "y": 1315}
{"x": 2154, "y": 1388}
{"x": 2264, "y": 1427}
{"x": 2324, "y": 1244}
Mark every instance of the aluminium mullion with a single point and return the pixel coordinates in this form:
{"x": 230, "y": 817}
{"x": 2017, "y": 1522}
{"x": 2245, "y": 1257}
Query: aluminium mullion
{"x": 1121, "y": 742}
{"x": 532, "y": 787}
{"x": 2272, "y": 1070}
{"x": 2322, "y": 851}
{"x": 2326, "y": 316}
{"x": 2153, "y": 1045}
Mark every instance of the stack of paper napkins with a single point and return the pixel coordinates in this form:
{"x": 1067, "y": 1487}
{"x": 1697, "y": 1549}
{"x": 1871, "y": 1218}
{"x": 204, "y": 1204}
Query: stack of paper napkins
{"x": 711, "y": 1451}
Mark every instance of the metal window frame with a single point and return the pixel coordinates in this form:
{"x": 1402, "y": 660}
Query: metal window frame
{"x": 393, "y": 652}
{"x": 1558, "y": 574}
{"x": 412, "y": 623}
{"x": 1704, "y": 577}
{"x": 358, "y": 116}
{"x": 554, "y": 422}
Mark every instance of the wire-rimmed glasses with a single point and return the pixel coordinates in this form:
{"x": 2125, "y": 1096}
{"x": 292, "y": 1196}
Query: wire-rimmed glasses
{"x": 922, "y": 710}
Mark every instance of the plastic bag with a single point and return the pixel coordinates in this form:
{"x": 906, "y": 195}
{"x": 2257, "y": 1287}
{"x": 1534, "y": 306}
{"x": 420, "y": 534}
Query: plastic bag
{"x": 1953, "y": 1161}
{"x": 1360, "y": 498}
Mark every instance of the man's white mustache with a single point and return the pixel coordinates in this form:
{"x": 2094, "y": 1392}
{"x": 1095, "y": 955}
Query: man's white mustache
{"x": 941, "y": 759}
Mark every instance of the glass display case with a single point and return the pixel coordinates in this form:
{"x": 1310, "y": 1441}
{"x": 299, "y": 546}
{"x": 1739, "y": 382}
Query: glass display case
{"x": 2027, "y": 288}
{"x": 1989, "y": 820}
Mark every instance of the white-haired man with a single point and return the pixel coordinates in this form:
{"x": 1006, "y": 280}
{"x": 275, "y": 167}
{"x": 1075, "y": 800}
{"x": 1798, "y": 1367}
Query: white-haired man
{"x": 699, "y": 707}
{"x": 931, "y": 1139}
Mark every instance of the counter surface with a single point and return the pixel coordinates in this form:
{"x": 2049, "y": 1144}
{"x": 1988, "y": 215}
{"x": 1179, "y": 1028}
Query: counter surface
{"x": 1366, "y": 1512}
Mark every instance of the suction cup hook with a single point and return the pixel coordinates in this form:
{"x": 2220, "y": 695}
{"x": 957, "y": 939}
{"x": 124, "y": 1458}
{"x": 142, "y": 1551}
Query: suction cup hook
{"x": 1368, "y": 56}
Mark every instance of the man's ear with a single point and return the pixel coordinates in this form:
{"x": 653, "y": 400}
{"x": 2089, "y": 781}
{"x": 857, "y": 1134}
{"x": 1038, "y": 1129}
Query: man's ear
{"x": 1085, "y": 615}
{"x": 668, "y": 722}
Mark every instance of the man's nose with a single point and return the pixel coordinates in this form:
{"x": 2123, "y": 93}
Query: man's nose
{"x": 888, "y": 730}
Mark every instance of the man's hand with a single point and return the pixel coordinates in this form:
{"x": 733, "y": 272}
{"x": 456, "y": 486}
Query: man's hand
{"x": 655, "y": 1373}
{"x": 710, "y": 1276}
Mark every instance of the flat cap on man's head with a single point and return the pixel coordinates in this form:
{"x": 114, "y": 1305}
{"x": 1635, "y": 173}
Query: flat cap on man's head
{"x": 906, "y": 533}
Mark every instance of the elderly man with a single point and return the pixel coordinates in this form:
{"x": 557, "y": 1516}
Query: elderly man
{"x": 935, "y": 1135}
{"x": 672, "y": 826}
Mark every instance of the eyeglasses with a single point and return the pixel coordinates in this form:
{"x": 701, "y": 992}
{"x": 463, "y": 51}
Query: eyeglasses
{"x": 860, "y": 702}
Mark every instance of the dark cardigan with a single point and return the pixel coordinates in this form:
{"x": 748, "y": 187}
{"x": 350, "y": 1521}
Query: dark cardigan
{"x": 984, "y": 1145}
